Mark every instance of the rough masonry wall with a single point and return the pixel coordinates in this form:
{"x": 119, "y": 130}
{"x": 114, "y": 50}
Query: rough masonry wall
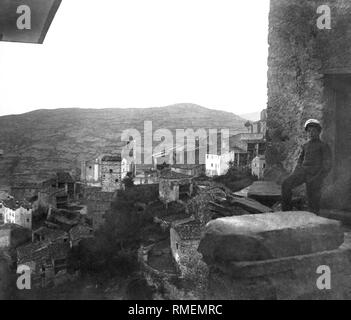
{"x": 301, "y": 57}
{"x": 111, "y": 178}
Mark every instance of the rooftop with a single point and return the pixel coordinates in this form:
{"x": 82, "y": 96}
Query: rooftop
{"x": 171, "y": 175}
{"x": 80, "y": 231}
{"x": 50, "y": 234}
{"x": 42, "y": 250}
{"x": 112, "y": 158}
{"x": 16, "y": 204}
{"x": 187, "y": 166}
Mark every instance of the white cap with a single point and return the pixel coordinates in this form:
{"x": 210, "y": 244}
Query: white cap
{"x": 313, "y": 122}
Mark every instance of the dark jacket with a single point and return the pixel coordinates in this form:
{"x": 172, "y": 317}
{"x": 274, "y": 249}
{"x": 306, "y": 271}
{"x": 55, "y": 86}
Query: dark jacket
{"x": 316, "y": 158}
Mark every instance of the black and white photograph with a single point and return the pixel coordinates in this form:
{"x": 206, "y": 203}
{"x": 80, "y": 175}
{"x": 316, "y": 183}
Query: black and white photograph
{"x": 192, "y": 151}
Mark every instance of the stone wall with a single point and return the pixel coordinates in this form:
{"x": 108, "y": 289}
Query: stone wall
{"x": 111, "y": 176}
{"x": 168, "y": 190}
{"x": 303, "y": 62}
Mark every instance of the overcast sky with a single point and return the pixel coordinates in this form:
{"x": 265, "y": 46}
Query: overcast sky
{"x": 142, "y": 53}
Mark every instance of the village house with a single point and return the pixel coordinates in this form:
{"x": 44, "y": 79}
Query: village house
{"x": 12, "y": 235}
{"x": 173, "y": 186}
{"x": 111, "y": 173}
{"x": 246, "y": 146}
{"x": 258, "y": 166}
{"x": 260, "y": 126}
{"x": 218, "y": 165}
{"x": 47, "y": 262}
{"x": 146, "y": 176}
{"x": 64, "y": 181}
{"x": 113, "y": 165}
{"x": 91, "y": 173}
{"x": 80, "y": 232}
{"x": 17, "y": 212}
{"x": 66, "y": 219}
{"x": 185, "y": 238}
{"x": 21, "y": 189}
{"x": 45, "y": 234}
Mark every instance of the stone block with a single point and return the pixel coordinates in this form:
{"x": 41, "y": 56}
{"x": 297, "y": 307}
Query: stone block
{"x": 288, "y": 278}
{"x": 268, "y": 236}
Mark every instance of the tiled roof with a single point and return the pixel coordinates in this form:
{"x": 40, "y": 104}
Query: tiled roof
{"x": 59, "y": 250}
{"x": 32, "y": 251}
{"x": 15, "y": 204}
{"x": 112, "y": 158}
{"x": 50, "y": 234}
{"x": 42, "y": 251}
{"x": 171, "y": 175}
{"x": 80, "y": 232}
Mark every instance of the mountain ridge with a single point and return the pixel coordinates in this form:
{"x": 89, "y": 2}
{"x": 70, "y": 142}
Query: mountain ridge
{"x": 40, "y": 142}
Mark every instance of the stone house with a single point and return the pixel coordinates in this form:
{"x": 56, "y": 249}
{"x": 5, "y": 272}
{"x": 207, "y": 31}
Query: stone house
{"x": 64, "y": 181}
{"x": 91, "y": 172}
{"x": 29, "y": 189}
{"x": 47, "y": 262}
{"x": 12, "y": 235}
{"x": 258, "y": 166}
{"x": 45, "y": 234}
{"x": 17, "y": 212}
{"x": 218, "y": 165}
{"x": 147, "y": 176}
{"x": 174, "y": 186}
{"x": 260, "y": 126}
{"x": 111, "y": 173}
{"x": 80, "y": 232}
{"x": 310, "y": 77}
{"x": 185, "y": 238}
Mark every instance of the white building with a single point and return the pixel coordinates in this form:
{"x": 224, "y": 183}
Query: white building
{"x": 218, "y": 165}
{"x": 17, "y": 212}
{"x": 258, "y": 166}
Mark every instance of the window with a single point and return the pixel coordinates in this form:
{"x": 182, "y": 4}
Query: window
{"x": 116, "y": 180}
{"x": 111, "y": 171}
{"x": 177, "y": 246}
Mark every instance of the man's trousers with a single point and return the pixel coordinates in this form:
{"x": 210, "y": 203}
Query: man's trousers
{"x": 313, "y": 187}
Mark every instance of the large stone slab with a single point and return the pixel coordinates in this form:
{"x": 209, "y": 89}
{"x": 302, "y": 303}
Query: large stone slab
{"x": 268, "y": 236}
{"x": 285, "y": 278}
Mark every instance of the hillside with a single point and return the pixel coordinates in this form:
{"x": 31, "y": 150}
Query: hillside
{"x": 43, "y": 141}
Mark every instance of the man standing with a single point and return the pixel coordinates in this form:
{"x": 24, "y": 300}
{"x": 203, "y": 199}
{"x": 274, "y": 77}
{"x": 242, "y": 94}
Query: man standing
{"x": 312, "y": 167}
